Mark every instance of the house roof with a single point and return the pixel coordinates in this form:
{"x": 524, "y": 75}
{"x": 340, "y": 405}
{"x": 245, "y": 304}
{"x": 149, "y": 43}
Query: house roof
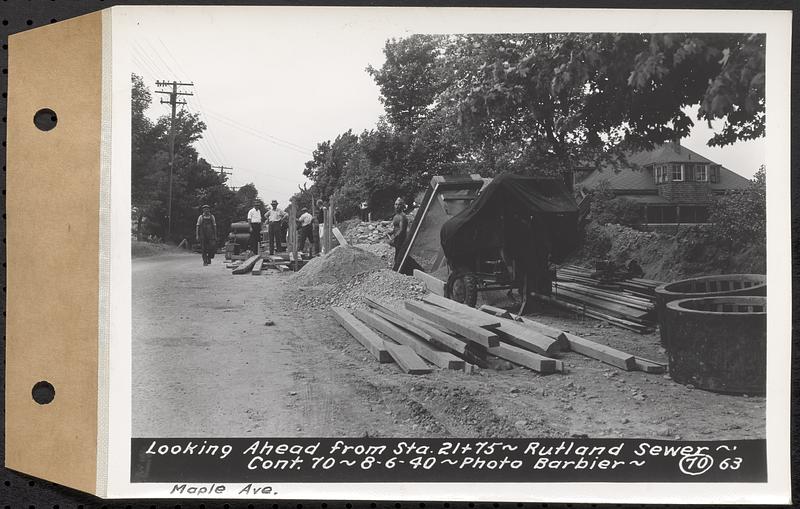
{"x": 641, "y": 179}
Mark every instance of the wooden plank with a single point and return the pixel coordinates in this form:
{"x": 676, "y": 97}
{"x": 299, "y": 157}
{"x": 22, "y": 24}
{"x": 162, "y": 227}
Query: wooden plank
{"x": 455, "y": 323}
{"x": 600, "y": 352}
{"x": 339, "y": 236}
{"x": 247, "y": 265}
{"x": 522, "y": 357}
{"x": 501, "y": 313}
{"x": 434, "y": 285}
{"x": 477, "y": 317}
{"x": 441, "y": 338}
{"x": 408, "y": 361}
{"x": 371, "y": 341}
{"x": 541, "y": 328}
{"x": 257, "y": 267}
{"x": 649, "y": 366}
{"x": 444, "y": 360}
{"x": 528, "y": 339}
{"x": 621, "y": 310}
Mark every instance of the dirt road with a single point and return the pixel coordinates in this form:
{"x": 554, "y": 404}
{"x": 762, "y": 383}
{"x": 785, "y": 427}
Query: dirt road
{"x": 205, "y": 364}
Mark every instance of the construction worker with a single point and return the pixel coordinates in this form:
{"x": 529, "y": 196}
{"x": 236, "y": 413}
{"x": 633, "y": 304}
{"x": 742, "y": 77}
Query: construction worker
{"x": 321, "y": 220}
{"x": 274, "y": 218}
{"x": 205, "y": 233}
{"x": 254, "y": 218}
{"x": 399, "y": 230}
{"x": 305, "y": 231}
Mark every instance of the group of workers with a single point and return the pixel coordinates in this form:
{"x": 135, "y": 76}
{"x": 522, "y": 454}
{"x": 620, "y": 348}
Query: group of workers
{"x": 275, "y": 222}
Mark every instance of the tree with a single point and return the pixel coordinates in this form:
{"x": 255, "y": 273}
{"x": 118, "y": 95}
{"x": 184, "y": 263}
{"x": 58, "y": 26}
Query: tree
{"x": 409, "y": 79}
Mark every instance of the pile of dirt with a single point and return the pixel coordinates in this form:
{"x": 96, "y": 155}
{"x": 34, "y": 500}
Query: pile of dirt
{"x": 340, "y": 264}
{"x": 384, "y": 285}
{"x": 690, "y": 251}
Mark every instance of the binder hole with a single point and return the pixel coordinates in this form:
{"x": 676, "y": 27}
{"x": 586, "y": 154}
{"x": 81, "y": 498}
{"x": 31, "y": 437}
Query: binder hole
{"x": 29, "y": 22}
{"x": 45, "y": 119}
{"x": 43, "y": 393}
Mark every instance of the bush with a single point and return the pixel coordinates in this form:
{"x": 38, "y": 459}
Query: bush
{"x": 740, "y": 217}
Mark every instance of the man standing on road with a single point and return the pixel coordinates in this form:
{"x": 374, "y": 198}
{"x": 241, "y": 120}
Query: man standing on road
{"x": 364, "y": 211}
{"x": 399, "y": 229}
{"x": 254, "y": 218}
{"x": 206, "y": 234}
{"x": 274, "y": 218}
{"x": 306, "y": 231}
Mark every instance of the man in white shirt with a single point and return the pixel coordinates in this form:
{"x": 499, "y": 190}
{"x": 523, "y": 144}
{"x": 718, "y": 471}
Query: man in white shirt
{"x": 306, "y": 231}
{"x": 254, "y": 218}
{"x": 274, "y": 217}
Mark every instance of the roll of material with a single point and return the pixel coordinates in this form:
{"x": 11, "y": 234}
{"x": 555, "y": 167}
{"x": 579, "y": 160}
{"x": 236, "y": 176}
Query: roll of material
{"x": 240, "y": 227}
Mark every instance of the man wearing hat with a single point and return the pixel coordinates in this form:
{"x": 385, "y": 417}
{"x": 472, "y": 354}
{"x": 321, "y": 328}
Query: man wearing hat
{"x": 206, "y": 234}
{"x": 254, "y": 218}
{"x": 274, "y": 217}
{"x": 305, "y": 231}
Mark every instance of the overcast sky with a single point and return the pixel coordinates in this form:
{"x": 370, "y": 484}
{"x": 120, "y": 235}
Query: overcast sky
{"x": 270, "y": 87}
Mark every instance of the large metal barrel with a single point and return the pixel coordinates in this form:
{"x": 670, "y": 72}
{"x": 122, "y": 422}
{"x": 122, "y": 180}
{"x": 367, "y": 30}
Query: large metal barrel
{"x": 719, "y": 343}
{"x": 240, "y": 227}
{"x": 706, "y": 286}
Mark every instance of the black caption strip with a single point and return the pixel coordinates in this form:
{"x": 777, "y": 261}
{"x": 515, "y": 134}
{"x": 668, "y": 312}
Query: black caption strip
{"x": 241, "y": 460}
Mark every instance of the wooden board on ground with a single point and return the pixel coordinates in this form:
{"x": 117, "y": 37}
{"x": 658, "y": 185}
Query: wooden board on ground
{"x": 479, "y": 318}
{"x": 257, "y": 267}
{"x": 600, "y": 352}
{"x": 247, "y": 265}
{"x": 502, "y": 313}
{"x": 382, "y": 322}
{"x": 454, "y": 322}
{"x": 339, "y": 236}
{"x": 443, "y": 338}
{"x": 541, "y": 328}
{"x": 371, "y": 341}
{"x": 528, "y": 339}
{"x": 522, "y": 357}
{"x": 408, "y": 361}
{"x": 649, "y": 366}
{"x": 434, "y": 285}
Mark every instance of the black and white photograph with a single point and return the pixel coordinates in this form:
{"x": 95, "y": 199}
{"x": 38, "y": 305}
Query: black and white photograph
{"x": 385, "y": 233}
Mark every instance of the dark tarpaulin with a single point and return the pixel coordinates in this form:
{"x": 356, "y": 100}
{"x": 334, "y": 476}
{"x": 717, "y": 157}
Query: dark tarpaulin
{"x": 529, "y": 218}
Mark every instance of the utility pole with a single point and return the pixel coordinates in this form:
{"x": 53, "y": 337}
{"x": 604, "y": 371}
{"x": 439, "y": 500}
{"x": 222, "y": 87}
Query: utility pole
{"x": 173, "y": 102}
{"x": 222, "y": 170}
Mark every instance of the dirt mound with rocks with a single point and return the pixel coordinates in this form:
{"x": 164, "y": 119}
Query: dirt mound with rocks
{"x": 341, "y": 264}
{"x": 384, "y": 285}
{"x": 368, "y": 232}
{"x": 384, "y": 251}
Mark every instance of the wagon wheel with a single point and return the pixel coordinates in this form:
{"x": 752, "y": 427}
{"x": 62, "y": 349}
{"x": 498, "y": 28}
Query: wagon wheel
{"x": 462, "y": 287}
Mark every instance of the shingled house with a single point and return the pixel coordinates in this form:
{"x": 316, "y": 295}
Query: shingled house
{"x": 673, "y": 184}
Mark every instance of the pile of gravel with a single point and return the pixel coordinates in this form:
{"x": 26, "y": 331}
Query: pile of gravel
{"x": 368, "y": 233}
{"x": 384, "y": 251}
{"x": 384, "y": 285}
{"x": 340, "y": 264}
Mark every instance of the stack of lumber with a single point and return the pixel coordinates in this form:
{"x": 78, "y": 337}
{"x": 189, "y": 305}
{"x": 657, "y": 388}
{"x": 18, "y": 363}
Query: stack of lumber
{"x": 627, "y": 303}
{"x": 257, "y": 264}
{"x": 449, "y": 335}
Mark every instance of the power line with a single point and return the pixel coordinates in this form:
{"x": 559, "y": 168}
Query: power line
{"x": 254, "y": 132}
